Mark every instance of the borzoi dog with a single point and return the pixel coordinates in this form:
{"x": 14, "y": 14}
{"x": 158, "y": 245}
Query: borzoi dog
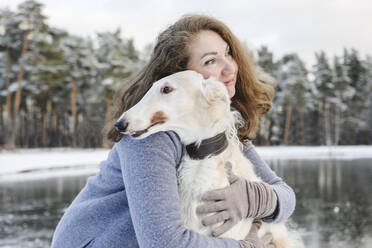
{"x": 198, "y": 109}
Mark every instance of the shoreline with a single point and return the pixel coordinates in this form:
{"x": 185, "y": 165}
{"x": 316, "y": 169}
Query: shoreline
{"x": 28, "y": 164}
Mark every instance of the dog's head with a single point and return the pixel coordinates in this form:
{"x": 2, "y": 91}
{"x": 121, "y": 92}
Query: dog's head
{"x": 183, "y": 102}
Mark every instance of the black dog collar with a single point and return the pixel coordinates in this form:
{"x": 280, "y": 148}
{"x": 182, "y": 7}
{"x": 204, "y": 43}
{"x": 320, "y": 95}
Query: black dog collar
{"x": 210, "y": 146}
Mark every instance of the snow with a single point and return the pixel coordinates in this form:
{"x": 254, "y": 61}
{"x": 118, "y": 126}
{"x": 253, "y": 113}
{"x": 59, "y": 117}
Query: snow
{"x": 31, "y": 163}
{"x": 28, "y": 164}
{"x": 315, "y": 152}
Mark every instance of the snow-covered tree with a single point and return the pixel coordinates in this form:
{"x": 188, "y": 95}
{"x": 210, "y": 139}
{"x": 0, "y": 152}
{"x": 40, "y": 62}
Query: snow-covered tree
{"x": 294, "y": 93}
{"x": 10, "y": 45}
{"x": 356, "y": 73}
{"x": 117, "y": 59}
{"x": 32, "y": 26}
{"x": 81, "y": 63}
{"x": 268, "y": 70}
{"x": 325, "y": 91}
{"x": 364, "y": 130}
{"x": 343, "y": 92}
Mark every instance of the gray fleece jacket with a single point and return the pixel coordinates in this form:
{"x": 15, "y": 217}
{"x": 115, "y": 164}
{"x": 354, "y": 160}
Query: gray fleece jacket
{"x": 133, "y": 200}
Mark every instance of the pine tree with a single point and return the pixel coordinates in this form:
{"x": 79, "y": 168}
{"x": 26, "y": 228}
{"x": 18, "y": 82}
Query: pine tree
{"x": 268, "y": 70}
{"x": 356, "y": 103}
{"x": 364, "y": 134}
{"x": 325, "y": 91}
{"x": 294, "y": 94}
{"x": 81, "y": 64}
{"x": 32, "y": 24}
{"x": 118, "y": 59}
{"x": 342, "y": 94}
{"x": 9, "y": 47}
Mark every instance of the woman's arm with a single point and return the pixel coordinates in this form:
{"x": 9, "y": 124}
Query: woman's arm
{"x": 285, "y": 194}
{"x": 149, "y": 173}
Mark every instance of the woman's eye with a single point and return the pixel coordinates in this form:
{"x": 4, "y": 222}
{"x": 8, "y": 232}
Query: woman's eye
{"x": 166, "y": 90}
{"x": 209, "y": 62}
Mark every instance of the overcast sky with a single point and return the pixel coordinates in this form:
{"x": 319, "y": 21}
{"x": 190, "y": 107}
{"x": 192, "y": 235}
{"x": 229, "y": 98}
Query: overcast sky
{"x": 302, "y": 26}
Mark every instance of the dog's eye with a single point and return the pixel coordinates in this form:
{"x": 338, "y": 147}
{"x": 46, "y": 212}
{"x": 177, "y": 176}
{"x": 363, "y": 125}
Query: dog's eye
{"x": 166, "y": 90}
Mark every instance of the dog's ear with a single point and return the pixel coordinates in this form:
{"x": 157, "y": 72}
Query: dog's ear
{"x": 214, "y": 91}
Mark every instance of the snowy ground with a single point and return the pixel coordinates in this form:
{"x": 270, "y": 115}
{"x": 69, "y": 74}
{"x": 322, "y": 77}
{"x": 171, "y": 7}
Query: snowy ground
{"x": 315, "y": 152}
{"x": 26, "y": 164}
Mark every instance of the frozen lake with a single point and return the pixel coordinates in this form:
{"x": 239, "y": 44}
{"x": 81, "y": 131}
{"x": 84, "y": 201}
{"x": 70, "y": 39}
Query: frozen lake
{"x": 334, "y": 203}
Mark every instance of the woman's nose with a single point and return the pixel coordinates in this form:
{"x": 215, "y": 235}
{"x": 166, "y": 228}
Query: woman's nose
{"x": 229, "y": 66}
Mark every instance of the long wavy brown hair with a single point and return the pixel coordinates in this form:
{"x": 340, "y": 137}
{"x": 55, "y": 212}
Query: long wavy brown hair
{"x": 252, "y": 99}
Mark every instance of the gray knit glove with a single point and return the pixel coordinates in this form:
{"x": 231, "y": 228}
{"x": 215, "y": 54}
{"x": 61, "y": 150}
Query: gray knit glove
{"x": 253, "y": 241}
{"x": 242, "y": 199}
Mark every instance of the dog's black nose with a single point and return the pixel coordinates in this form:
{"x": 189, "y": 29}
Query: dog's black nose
{"x": 121, "y": 125}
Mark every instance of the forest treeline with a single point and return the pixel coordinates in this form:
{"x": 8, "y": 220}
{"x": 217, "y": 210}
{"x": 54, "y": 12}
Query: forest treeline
{"x": 56, "y": 89}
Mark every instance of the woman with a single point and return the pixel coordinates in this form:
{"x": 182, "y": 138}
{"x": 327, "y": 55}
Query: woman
{"x": 133, "y": 200}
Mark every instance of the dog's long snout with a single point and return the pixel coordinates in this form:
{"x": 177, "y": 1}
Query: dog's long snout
{"x": 121, "y": 125}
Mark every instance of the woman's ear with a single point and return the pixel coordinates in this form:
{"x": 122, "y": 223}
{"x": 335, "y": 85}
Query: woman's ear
{"x": 214, "y": 91}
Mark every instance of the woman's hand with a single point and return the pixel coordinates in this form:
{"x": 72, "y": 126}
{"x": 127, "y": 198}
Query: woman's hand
{"x": 253, "y": 241}
{"x": 242, "y": 199}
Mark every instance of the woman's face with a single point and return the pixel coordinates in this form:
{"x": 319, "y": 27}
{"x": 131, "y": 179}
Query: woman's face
{"x": 210, "y": 55}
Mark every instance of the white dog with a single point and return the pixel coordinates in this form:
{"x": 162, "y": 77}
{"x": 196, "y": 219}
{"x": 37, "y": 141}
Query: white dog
{"x": 198, "y": 109}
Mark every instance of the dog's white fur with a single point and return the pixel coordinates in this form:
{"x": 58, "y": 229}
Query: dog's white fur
{"x": 197, "y": 109}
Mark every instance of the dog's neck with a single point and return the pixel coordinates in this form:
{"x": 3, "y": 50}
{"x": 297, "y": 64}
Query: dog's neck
{"x": 193, "y": 134}
{"x": 211, "y": 146}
